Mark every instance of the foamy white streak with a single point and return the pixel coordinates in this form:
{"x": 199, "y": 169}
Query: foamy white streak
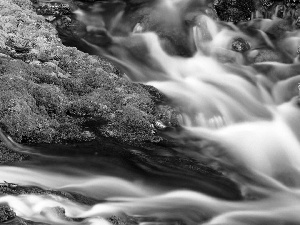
{"x": 95, "y": 186}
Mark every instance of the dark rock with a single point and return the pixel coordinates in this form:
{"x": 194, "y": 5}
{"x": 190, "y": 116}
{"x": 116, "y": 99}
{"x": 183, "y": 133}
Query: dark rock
{"x": 53, "y": 9}
{"x": 180, "y": 172}
{"x": 298, "y": 50}
{"x": 267, "y": 3}
{"x": 172, "y": 34}
{"x": 277, "y": 71}
{"x": 297, "y": 23}
{"x": 168, "y": 116}
{"x": 233, "y": 10}
{"x": 6, "y": 214}
{"x": 280, "y": 27}
{"x": 20, "y": 221}
{"x": 123, "y": 220}
{"x": 167, "y": 221}
{"x": 292, "y": 3}
{"x": 240, "y": 45}
{"x": 9, "y": 156}
{"x": 280, "y": 11}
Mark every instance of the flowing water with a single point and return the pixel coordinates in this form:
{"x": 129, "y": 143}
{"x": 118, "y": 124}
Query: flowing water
{"x": 248, "y": 111}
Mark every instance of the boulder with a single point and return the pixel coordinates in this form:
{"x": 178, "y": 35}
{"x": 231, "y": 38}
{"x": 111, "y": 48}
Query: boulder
{"x": 52, "y": 93}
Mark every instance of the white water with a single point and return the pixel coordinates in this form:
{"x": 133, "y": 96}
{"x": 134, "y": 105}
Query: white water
{"x": 254, "y": 119}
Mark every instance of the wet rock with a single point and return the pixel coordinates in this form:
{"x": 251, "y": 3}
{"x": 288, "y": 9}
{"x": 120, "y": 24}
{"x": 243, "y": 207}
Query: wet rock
{"x": 61, "y": 94}
{"x": 180, "y": 172}
{"x": 169, "y": 221}
{"x": 240, "y": 45}
{"x": 172, "y": 33}
{"x": 267, "y": 3}
{"x": 123, "y": 220}
{"x": 298, "y": 50}
{"x": 168, "y": 117}
{"x": 280, "y": 27}
{"x": 6, "y": 214}
{"x": 59, "y": 213}
{"x": 233, "y": 10}
{"x": 138, "y": 28}
{"x": 9, "y": 217}
{"x": 15, "y": 189}
{"x": 156, "y": 95}
{"x": 20, "y": 221}
{"x": 8, "y": 156}
{"x": 292, "y": 3}
{"x": 297, "y": 23}
{"x": 277, "y": 71}
{"x": 228, "y": 56}
{"x": 70, "y": 30}
{"x": 264, "y": 55}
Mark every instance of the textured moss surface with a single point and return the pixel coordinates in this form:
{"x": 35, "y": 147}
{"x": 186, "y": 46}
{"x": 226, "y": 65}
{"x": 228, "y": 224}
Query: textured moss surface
{"x": 52, "y": 93}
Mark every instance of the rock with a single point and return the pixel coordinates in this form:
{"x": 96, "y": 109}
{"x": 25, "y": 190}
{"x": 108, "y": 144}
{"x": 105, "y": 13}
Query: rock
{"x": 172, "y": 33}
{"x": 59, "y": 213}
{"x": 15, "y": 189}
{"x": 180, "y": 172}
{"x": 228, "y": 56}
{"x": 277, "y": 71}
{"x": 292, "y": 3}
{"x": 240, "y": 45}
{"x": 122, "y": 220}
{"x": 21, "y": 221}
{"x": 233, "y": 10}
{"x": 61, "y": 94}
{"x": 168, "y": 117}
{"x": 264, "y": 55}
{"x": 159, "y": 125}
{"x": 6, "y": 214}
{"x": 267, "y": 3}
{"x": 9, "y": 217}
{"x": 8, "y": 156}
{"x": 280, "y": 27}
{"x": 53, "y": 9}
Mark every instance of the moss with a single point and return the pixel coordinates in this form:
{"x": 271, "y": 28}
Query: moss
{"x": 90, "y": 105}
{"x": 71, "y": 132}
{"x": 48, "y": 98}
{"x": 132, "y": 125}
{"x": 52, "y": 93}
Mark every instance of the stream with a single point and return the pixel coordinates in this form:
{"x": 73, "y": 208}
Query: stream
{"x": 238, "y": 152}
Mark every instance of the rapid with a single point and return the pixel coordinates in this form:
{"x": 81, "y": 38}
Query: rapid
{"x": 248, "y": 111}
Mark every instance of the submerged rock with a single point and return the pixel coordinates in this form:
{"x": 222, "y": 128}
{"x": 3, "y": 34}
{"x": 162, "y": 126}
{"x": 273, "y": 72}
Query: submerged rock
{"x": 233, "y": 10}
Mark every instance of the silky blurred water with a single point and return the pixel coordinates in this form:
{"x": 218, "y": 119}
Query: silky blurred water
{"x": 238, "y": 117}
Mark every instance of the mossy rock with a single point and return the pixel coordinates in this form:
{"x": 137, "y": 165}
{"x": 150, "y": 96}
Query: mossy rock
{"x": 52, "y": 93}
